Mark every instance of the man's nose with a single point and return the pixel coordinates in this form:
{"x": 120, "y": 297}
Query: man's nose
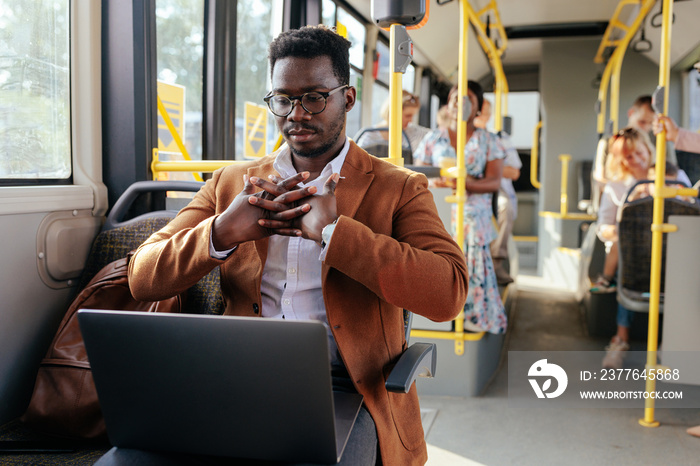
{"x": 298, "y": 113}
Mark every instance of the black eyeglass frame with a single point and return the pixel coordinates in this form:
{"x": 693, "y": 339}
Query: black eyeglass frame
{"x": 300, "y": 99}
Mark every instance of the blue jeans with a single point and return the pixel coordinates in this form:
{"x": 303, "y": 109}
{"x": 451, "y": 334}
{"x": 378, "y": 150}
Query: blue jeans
{"x": 624, "y": 316}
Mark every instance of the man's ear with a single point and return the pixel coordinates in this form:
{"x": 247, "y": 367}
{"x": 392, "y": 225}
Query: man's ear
{"x": 350, "y": 96}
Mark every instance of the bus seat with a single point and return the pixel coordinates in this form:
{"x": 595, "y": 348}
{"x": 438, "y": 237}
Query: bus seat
{"x": 419, "y": 360}
{"x": 119, "y": 236}
{"x": 376, "y": 142}
{"x": 634, "y": 232}
{"x": 689, "y": 162}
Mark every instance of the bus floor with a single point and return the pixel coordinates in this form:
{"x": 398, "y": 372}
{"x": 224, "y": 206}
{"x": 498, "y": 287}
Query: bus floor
{"x": 485, "y": 430}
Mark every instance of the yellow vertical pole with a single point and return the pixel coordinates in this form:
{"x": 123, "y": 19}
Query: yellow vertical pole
{"x": 461, "y": 190}
{"x": 603, "y": 97}
{"x": 615, "y": 90}
{"x": 498, "y": 105}
{"x": 658, "y": 218}
{"x": 534, "y": 156}
{"x": 564, "y": 187}
{"x": 396, "y": 108}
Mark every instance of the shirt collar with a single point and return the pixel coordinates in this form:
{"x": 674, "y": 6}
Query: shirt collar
{"x": 284, "y": 166}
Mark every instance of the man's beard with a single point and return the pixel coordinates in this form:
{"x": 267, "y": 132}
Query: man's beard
{"x": 326, "y": 146}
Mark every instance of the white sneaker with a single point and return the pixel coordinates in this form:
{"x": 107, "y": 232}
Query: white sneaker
{"x": 616, "y": 352}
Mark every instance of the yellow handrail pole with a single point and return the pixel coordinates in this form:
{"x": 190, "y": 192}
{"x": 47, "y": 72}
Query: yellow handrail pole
{"x": 174, "y": 134}
{"x": 205, "y": 166}
{"x": 658, "y": 218}
{"x": 614, "y": 23}
{"x": 534, "y": 156}
{"x": 563, "y": 190}
{"x": 603, "y": 96}
{"x": 615, "y": 92}
{"x": 498, "y": 111}
{"x": 461, "y": 190}
{"x": 395, "y": 154}
{"x": 645, "y": 7}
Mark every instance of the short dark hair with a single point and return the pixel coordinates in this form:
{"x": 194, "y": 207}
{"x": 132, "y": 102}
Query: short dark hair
{"x": 313, "y": 42}
{"x": 478, "y": 91}
{"x": 642, "y": 101}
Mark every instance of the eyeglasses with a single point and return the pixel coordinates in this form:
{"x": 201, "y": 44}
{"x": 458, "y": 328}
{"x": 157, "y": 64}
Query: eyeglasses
{"x": 313, "y": 102}
{"x": 627, "y": 133}
{"x": 410, "y": 99}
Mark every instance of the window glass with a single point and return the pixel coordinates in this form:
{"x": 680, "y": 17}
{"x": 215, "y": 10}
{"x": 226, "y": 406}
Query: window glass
{"x": 180, "y": 44}
{"x": 35, "y": 141}
{"x": 694, "y": 100}
{"x": 258, "y": 22}
{"x": 356, "y": 33}
{"x": 408, "y": 80}
{"x": 380, "y": 94}
{"x": 328, "y": 12}
{"x": 384, "y": 70}
{"x": 354, "y": 116}
{"x": 524, "y": 109}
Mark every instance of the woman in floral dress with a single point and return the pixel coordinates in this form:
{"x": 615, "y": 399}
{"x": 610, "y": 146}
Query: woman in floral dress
{"x": 483, "y": 156}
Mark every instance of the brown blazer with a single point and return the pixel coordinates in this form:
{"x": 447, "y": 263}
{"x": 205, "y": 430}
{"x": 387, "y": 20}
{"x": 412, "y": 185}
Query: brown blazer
{"x": 389, "y": 252}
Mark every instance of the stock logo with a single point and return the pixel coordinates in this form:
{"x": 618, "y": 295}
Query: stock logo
{"x": 543, "y": 370}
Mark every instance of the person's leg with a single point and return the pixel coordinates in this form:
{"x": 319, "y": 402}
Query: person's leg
{"x": 606, "y": 282}
{"x": 362, "y": 446}
{"x": 619, "y": 344}
{"x": 499, "y": 246}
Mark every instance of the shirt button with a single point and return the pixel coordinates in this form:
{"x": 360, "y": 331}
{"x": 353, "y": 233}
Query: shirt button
{"x": 292, "y": 270}
{"x": 287, "y": 301}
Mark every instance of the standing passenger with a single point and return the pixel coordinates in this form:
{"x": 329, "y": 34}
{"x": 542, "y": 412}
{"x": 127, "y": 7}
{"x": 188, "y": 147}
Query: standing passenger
{"x": 483, "y": 157}
{"x": 367, "y": 245}
{"x": 507, "y": 201}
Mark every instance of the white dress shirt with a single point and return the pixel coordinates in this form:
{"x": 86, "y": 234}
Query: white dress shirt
{"x": 291, "y": 279}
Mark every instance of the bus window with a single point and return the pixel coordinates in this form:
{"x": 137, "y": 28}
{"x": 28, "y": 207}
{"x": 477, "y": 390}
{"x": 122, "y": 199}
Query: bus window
{"x": 694, "y": 100}
{"x": 258, "y": 22}
{"x": 524, "y": 108}
{"x": 356, "y": 33}
{"x": 35, "y": 112}
{"x": 180, "y": 42}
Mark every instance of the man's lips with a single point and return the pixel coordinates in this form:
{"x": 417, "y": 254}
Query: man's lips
{"x": 300, "y": 134}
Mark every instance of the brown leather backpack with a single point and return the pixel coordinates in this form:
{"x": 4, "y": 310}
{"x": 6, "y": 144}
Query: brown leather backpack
{"x": 64, "y": 401}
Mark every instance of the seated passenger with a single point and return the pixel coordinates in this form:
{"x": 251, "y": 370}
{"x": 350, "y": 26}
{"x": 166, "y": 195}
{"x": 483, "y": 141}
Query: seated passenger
{"x": 483, "y": 158}
{"x": 320, "y": 230}
{"x": 630, "y": 156}
{"x": 639, "y": 116}
{"x": 673, "y": 173}
{"x": 414, "y": 132}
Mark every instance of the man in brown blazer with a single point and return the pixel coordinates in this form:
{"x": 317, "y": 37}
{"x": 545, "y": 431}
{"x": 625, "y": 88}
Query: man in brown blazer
{"x": 321, "y": 230}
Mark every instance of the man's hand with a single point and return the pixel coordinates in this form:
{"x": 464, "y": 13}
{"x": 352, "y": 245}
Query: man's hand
{"x": 253, "y": 216}
{"x": 662, "y": 122}
{"x": 323, "y": 210}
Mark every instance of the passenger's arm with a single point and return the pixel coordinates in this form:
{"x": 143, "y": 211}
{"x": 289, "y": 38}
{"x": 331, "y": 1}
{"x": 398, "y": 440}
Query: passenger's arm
{"x": 491, "y": 180}
{"x": 688, "y": 141}
{"x": 178, "y": 256}
{"x": 414, "y": 264}
{"x": 511, "y": 173}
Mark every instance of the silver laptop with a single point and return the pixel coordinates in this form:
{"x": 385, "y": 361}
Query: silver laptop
{"x": 217, "y": 385}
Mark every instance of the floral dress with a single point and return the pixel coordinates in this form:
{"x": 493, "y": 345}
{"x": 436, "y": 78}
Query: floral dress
{"x": 484, "y": 307}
